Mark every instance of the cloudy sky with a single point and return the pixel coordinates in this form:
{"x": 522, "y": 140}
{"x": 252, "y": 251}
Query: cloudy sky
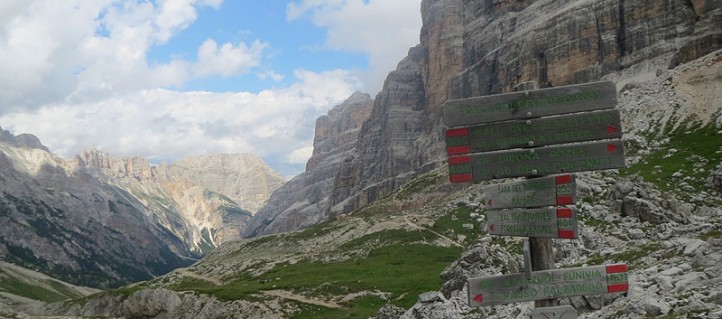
{"x": 166, "y": 79}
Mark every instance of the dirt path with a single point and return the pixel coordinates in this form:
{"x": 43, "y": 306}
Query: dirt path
{"x": 291, "y": 296}
{"x": 187, "y": 273}
{"x": 415, "y": 226}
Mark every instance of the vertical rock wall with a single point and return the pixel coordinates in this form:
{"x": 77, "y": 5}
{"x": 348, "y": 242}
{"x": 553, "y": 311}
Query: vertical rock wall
{"x": 473, "y": 48}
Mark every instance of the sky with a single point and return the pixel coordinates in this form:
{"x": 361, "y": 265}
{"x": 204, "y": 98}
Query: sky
{"x": 167, "y": 79}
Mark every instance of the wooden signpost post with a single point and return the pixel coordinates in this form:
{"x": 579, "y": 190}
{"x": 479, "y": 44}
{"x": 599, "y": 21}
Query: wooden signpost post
{"x": 532, "y": 134}
{"x": 559, "y": 312}
{"x": 540, "y": 222}
{"x": 538, "y": 192}
{"x": 547, "y": 284}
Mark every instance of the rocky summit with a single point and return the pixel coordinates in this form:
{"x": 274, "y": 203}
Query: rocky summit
{"x": 102, "y": 221}
{"x": 477, "y": 48}
{"x": 375, "y": 229}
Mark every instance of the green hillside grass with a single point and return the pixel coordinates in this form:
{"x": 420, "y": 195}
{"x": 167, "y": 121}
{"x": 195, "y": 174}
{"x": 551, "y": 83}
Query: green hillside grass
{"x": 391, "y": 266}
{"x": 692, "y": 153}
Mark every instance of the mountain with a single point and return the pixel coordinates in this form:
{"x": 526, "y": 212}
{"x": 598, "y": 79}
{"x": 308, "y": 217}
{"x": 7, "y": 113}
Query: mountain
{"x": 475, "y": 48}
{"x": 305, "y": 200}
{"x": 102, "y": 221}
{"x": 18, "y": 284}
{"x": 394, "y": 239}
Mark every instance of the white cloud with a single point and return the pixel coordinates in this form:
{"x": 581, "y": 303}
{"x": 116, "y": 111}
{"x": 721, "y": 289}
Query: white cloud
{"x": 383, "y": 30}
{"x": 301, "y": 155}
{"x": 167, "y": 125}
{"x": 227, "y": 60}
{"x": 77, "y": 50}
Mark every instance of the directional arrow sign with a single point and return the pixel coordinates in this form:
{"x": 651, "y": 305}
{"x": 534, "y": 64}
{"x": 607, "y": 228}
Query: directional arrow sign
{"x": 548, "y": 284}
{"x": 530, "y": 104}
{"x": 541, "y": 222}
{"x": 581, "y": 127}
{"x": 538, "y": 192}
{"x": 565, "y": 158}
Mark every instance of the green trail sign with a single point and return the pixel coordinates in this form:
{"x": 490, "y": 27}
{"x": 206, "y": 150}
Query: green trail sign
{"x": 530, "y": 104}
{"x": 540, "y": 222}
{"x": 548, "y": 284}
{"x": 580, "y": 127}
{"x": 537, "y": 192}
{"x": 565, "y": 158}
{"x": 559, "y": 312}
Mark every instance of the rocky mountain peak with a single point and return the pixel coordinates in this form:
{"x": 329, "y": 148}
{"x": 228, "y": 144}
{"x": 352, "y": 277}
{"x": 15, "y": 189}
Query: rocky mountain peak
{"x": 21, "y": 140}
{"x": 99, "y": 162}
{"x": 244, "y": 178}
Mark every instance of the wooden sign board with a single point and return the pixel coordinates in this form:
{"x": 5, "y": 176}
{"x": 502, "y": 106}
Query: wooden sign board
{"x": 559, "y": 312}
{"x": 580, "y": 127}
{"x": 530, "y": 104}
{"x": 565, "y": 158}
{"x": 548, "y": 284}
{"x": 541, "y": 222}
{"x": 537, "y": 192}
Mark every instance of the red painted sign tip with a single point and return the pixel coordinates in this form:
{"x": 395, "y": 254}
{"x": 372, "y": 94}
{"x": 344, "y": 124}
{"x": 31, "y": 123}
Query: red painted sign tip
{"x": 564, "y": 213}
{"x": 456, "y": 160}
{"x": 461, "y": 178}
{"x": 565, "y": 200}
{"x": 611, "y": 129}
{"x": 457, "y": 132}
{"x": 618, "y": 288}
{"x": 458, "y": 150}
{"x": 611, "y": 148}
{"x": 564, "y": 179}
{"x": 491, "y": 227}
{"x": 479, "y": 298}
{"x": 567, "y": 234}
{"x": 618, "y": 268}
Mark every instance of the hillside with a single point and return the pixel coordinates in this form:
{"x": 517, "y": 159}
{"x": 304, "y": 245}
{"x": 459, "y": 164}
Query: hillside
{"x": 373, "y": 228}
{"x": 408, "y": 255}
{"x": 102, "y": 221}
{"x": 18, "y": 284}
{"x": 477, "y": 48}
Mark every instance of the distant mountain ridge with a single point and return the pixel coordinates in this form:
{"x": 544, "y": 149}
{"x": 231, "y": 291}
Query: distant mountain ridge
{"x": 102, "y": 221}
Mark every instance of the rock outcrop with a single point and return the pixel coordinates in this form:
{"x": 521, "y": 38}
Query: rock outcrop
{"x": 76, "y": 228}
{"x": 305, "y": 200}
{"x": 474, "y": 48}
{"x": 102, "y": 221}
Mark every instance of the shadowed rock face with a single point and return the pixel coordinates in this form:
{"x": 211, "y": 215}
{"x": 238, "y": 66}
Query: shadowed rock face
{"x": 103, "y": 221}
{"x": 474, "y": 48}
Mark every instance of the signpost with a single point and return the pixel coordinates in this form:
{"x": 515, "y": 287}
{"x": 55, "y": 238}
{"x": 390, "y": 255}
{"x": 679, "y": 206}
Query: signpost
{"x": 530, "y": 104}
{"x": 532, "y": 134}
{"x": 538, "y": 192}
{"x": 560, "y": 312}
{"x": 590, "y": 126}
{"x": 541, "y": 222}
{"x": 556, "y": 283}
{"x": 565, "y": 158}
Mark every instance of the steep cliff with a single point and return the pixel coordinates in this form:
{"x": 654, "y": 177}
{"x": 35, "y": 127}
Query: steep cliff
{"x": 70, "y": 225}
{"x": 305, "y": 199}
{"x": 102, "y": 221}
{"x": 473, "y": 48}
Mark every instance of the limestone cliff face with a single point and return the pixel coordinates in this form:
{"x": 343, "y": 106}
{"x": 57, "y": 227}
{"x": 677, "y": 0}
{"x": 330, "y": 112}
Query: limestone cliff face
{"x": 305, "y": 199}
{"x": 204, "y": 199}
{"x": 244, "y": 178}
{"x": 102, "y": 221}
{"x": 474, "y": 48}
{"x": 77, "y": 228}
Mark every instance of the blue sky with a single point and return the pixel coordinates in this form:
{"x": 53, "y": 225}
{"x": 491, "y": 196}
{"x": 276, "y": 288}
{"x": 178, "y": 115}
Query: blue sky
{"x": 174, "y": 78}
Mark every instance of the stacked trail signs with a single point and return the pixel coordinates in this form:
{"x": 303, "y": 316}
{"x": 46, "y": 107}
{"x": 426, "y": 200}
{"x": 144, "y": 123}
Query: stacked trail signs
{"x": 534, "y": 134}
